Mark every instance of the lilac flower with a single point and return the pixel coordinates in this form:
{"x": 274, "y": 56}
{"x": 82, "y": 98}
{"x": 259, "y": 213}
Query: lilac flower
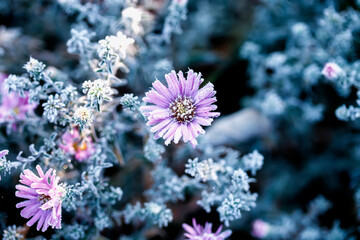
{"x": 44, "y": 198}
{"x": 73, "y": 144}
{"x": 179, "y": 110}
{"x": 197, "y": 232}
{"x": 260, "y": 229}
{"x": 332, "y": 71}
{"x": 3, "y": 153}
{"x": 13, "y": 107}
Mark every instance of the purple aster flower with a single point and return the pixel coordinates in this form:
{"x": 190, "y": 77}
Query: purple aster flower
{"x": 181, "y": 109}
{"x": 198, "y": 232}
{"x": 44, "y": 197}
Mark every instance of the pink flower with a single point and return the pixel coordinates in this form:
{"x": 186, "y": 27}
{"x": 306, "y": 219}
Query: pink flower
{"x": 3, "y": 153}
{"x": 181, "y": 109}
{"x": 332, "y": 71}
{"x": 13, "y": 107}
{"x": 197, "y": 232}
{"x": 260, "y": 229}
{"x": 44, "y": 198}
{"x": 73, "y": 144}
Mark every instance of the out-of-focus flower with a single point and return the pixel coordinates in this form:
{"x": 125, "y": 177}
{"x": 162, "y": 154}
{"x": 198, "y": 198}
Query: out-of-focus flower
{"x": 44, "y": 197}
{"x": 260, "y": 229}
{"x": 13, "y": 107}
{"x": 73, "y": 144}
{"x": 198, "y": 232}
{"x": 179, "y": 110}
{"x": 332, "y": 71}
{"x": 132, "y": 18}
{"x": 14, "y": 233}
{"x": 80, "y": 41}
{"x": 113, "y": 46}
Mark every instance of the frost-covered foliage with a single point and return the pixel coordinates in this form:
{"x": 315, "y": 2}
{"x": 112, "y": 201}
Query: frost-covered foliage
{"x": 119, "y": 119}
{"x": 79, "y": 141}
{"x": 299, "y": 225}
{"x": 295, "y": 58}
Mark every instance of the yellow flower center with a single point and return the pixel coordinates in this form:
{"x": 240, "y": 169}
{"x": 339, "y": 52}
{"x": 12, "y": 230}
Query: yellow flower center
{"x": 80, "y": 147}
{"x": 183, "y": 109}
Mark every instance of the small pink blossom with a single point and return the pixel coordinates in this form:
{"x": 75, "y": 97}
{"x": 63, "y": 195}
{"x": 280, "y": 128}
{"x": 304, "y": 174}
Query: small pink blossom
{"x": 198, "y": 232}
{"x": 13, "y": 107}
{"x": 332, "y": 71}
{"x": 260, "y": 229}
{"x": 73, "y": 144}
{"x": 43, "y": 198}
